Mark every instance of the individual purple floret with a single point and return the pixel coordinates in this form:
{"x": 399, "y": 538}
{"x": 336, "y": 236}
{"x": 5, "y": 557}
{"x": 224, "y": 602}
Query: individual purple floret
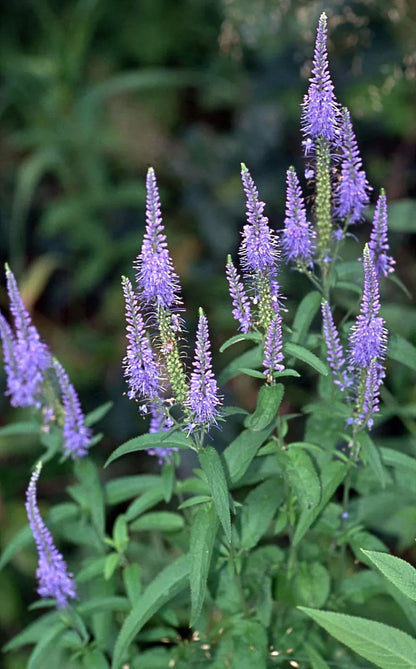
{"x": 53, "y": 577}
{"x": 379, "y": 246}
{"x": 31, "y": 355}
{"x": 203, "y": 400}
{"x": 259, "y": 248}
{"x": 241, "y": 311}
{"x": 335, "y": 354}
{"x": 320, "y": 108}
{"x": 297, "y": 239}
{"x": 160, "y": 422}
{"x": 156, "y": 278}
{"x": 273, "y": 347}
{"x": 352, "y": 192}
{"x": 77, "y": 436}
{"x": 368, "y": 338}
{"x": 141, "y": 370}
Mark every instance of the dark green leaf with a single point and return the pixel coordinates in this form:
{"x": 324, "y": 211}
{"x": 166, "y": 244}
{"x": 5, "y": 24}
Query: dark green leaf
{"x": 146, "y": 501}
{"x": 20, "y": 428}
{"x": 268, "y": 402}
{"x": 258, "y": 510}
{"x": 302, "y": 353}
{"x": 168, "y": 480}
{"x": 252, "y": 372}
{"x": 193, "y": 501}
{"x": 250, "y": 336}
{"x": 203, "y": 533}
{"x": 38, "y": 658}
{"x": 251, "y": 359}
{"x": 87, "y": 474}
{"x": 95, "y": 659}
{"x": 242, "y": 450}
{"x": 212, "y": 466}
{"x": 100, "y": 604}
{"x": 371, "y": 456}
{"x": 127, "y": 487}
{"x": 402, "y": 215}
{"x": 163, "y": 521}
{"x": 402, "y": 351}
{"x": 311, "y": 584}
{"x": 145, "y": 441}
{"x": 95, "y": 416}
{"x": 163, "y": 588}
{"x": 397, "y": 459}
{"x": 303, "y": 478}
{"x": 305, "y": 314}
{"x": 387, "y": 647}
{"x": 132, "y": 582}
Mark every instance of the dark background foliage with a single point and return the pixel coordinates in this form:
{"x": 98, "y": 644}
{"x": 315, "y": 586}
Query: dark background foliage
{"x": 93, "y": 92}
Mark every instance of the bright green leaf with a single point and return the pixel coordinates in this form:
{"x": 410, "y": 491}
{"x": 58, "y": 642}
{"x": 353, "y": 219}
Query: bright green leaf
{"x": 146, "y": 501}
{"x": 250, "y": 336}
{"x": 163, "y": 521}
{"x": 268, "y": 402}
{"x": 203, "y": 533}
{"x": 304, "y": 316}
{"x": 212, "y": 466}
{"x": 302, "y": 353}
{"x": 145, "y": 441}
{"x": 398, "y": 571}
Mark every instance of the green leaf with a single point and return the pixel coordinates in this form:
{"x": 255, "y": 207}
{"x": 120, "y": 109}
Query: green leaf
{"x": 305, "y": 314}
{"x": 24, "y": 427}
{"x": 268, "y": 402}
{"x": 168, "y": 480}
{"x": 398, "y": 571}
{"x": 95, "y": 416}
{"x": 146, "y": 501}
{"x": 303, "y": 478}
{"x": 402, "y": 215}
{"x": 120, "y": 533}
{"x": 317, "y": 662}
{"x": 34, "y": 631}
{"x": 241, "y": 452}
{"x": 126, "y": 487}
{"x": 302, "y": 353}
{"x": 258, "y": 510}
{"x": 145, "y": 441}
{"x": 95, "y": 659}
{"x": 100, "y": 604}
{"x": 402, "y": 351}
{"x": 312, "y": 584}
{"x": 94, "y": 567}
{"x": 252, "y": 372}
{"x": 203, "y": 533}
{"x": 397, "y": 459}
{"x": 38, "y": 657}
{"x": 212, "y": 466}
{"x": 132, "y": 581}
{"x": 385, "y": 646}
{"x": 371, "y": 456}
{"x": 87, "y": 474}
{"x": 111, "y": 563}
{"x": 249, "y": 359}
{"x": 250, "y": 336}
{"x": 331, "y": 477}
{"x": 163, "y": 521}
{"x": 172, "y": 580}
{"x": 193, "y": 501}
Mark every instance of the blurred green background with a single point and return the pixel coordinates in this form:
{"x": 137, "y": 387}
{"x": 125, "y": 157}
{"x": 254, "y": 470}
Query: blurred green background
{"x": 95, "y": 91}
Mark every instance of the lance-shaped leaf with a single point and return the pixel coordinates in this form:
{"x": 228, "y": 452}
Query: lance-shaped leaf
{"x": 203, "y": 533}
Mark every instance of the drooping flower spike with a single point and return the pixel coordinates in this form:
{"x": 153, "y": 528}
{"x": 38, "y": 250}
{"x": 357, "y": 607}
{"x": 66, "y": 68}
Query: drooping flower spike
{"x": 379, "y": 245}
{"x": 259, "y": 247}
{"x": 157, "y": 280}
{"x": 28, "y": 356}
{"x": 298, "y": 237}
{"x": 335, "y": 354}
{"x": 320, "y": 108}
{"x": 204, "y": 400}
{"x": 141, "y": 370}
{"x": 241, "y": 310}
{"x": 352, "y": 191}
{"x": 77, "y": 436}
{"x": 53, "y": 577}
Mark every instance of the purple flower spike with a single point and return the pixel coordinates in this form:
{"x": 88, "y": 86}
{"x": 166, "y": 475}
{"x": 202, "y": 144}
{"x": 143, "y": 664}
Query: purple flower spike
{"x": 335, "y": 354}
{"x": 273, "y": 354}
{"x": 54, "y": 580}
{"x": 156, "y": 278}
{"x": 241, "y": 311}
{"x": 31, "y": 356}
{"x": 320, "y": 108}
{"x": 351, "y": 195}
{"x": 203, "y": 400}
{"x": 140, "y": 367}
{"x": 379, "y": 245}
{"x": 368, "y": 338}
{"x": 10, "y": 362}
{"x": 297, "y": 238}
{"x": 259, "y": 248}
{"x": 160, "y": 422}
{"x": 77, "y": 436}
{"x": 373, "y": 381}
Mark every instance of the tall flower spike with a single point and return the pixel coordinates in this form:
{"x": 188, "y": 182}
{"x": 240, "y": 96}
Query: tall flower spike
{"x": 379, "y": 245}
{"x": 31, "y": 355}
{"x": 241, "y": 311}
{"x": 351, "y": 195}
{"x": 368, "y": 336}
{"x": 259, "y": 248}
{"x": 77, "y": 436}
{"x": 273, "y": 346}
{"x": 141, "y": 370}
{"x": 320, "y": 108}
{"x": 297, "y": 239}
{"x": 156, "y": 278}
{"x": 53, "y": 577}
{"x": 10, "y": 362}
{"x": 371, "y": 399}
{"x": 203, "y": 400}
{"x": 335, "y": 354}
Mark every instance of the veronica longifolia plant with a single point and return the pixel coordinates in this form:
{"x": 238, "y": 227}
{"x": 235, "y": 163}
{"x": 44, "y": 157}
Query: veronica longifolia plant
{"x": 273, "y": 525}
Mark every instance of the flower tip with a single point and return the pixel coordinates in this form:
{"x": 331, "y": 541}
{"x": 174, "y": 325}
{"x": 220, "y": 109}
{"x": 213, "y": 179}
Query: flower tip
{"x": 201, "y": 312}
{"x": 229, "y": 259}
{"x": 244, "y": 168}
